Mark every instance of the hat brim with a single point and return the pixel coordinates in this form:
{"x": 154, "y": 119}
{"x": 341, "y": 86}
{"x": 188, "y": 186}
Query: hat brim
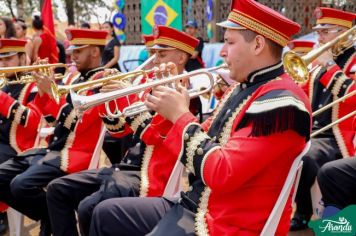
{"x": 323, "y": 26}
{"x": 7, "y": 54}
{"x": 71, "y": 48}
{"x": 230, "y": 25}
{"x": 160, "y": 47}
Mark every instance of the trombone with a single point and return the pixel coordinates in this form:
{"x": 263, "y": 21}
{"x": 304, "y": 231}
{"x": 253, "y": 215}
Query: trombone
{"x": 297, "y": 66}
{"x": 25, "y": 79}
{"x": 83, "y": 103}
{"x": 345, "y": 117}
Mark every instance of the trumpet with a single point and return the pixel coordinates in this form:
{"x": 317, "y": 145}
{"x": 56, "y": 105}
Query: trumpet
{"x": 58, "y": 91}
{"x": 24, "y": 79}
{"x": 83, "y": 103}
{"x": 297, "y": 66}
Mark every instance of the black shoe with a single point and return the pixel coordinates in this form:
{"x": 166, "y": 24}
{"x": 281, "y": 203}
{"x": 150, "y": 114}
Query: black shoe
{"x": 299, "y": 222}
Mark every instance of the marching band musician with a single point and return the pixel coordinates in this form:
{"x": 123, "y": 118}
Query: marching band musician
{"x": 18, "y": 115}
{"x": 19, "y": 118}
{"x": 73, "y": 142}
{"x": 235, "y": 173}
{"x": 146, "y": 168}
{"x": 337, "y": 181}
{"x": 301, "y": 47}
{"x": 330, "y": 81}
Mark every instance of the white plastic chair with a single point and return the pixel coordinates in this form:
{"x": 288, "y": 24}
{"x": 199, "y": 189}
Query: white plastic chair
{"x": 175, "y": 184}
{"x": 318, "y": 207}
{"x": 294, "y": 174}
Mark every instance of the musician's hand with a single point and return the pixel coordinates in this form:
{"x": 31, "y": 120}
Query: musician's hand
{"x": 114, "y": 85}
{"x": 168, "y": 70}
{"x": 44, "y": 83}
{"x": 325, "y": 58}
{"x": 169, "y": 102}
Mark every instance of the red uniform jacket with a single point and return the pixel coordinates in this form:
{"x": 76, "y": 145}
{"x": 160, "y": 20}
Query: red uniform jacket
{"x": 339, "y": 81}
{"x": 157, "y": 161}
{"x": 239, "y": 168}
{"x": 23, "y": 115}
{"x": 74, "y": 139}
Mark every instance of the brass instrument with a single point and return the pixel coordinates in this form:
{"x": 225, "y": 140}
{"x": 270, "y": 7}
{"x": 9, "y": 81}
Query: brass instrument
{"x": 296, "y": 66}
{"x": 25, "y": 79}
{"x": 83, "y": 103}
{"x": 58, "y": 91}
{"x": 315, "y": 133}
{"x": 317, "y": 112}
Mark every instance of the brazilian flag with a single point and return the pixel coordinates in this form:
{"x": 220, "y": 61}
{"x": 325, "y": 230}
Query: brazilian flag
{"x": 160, "y": 12}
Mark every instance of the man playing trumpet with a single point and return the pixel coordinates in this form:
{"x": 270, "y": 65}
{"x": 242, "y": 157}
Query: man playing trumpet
{"x": 146, "y": 167}
{"x": 330, "y": 81}
{"x": 239, "y": 158}
{"x": 19, "y": 117}
{"x": 72, "y": 145}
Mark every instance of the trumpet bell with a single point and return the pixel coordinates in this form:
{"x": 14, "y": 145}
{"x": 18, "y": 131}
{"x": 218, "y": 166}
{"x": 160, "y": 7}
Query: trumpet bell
{"x": 296, "y": 66}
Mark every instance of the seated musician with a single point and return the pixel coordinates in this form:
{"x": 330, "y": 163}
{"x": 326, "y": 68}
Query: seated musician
{"x": 19, "y": 118}
{"x": 146, "y": 167}
{"x": 116, "y": 147}
{"x": 337, "y": 182}
{"x": 73, "y": 142}
{"x": 238, "y": 159}
{"x": 330, "y": 81}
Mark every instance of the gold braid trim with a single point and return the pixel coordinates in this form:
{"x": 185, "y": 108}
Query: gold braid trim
{"x": 114, "y": 128}
{"x": 302, "y": 49}
{"x": 259, "y": 27}
{"x": 145, "y": 182}
{"x": 84, "y": 41}
{"x": 175, "y": 43}
{"x": 311, "y": 83}
{"x": 12, "y": 49}
{"x": 192, "y": 147}
{"x": 70, "y": 118}
{"x": 338, "y": 84}
{"x": 139, "y": 120}
{"x": 348, "y": 63}
{"x": 222, "y": 102}
{"x": 64, "y": 152}
{"x": 334, "y": 21}
{"x": 19, "y": 111}
{"x": 336, "y": 130}
{"x": 13, "y": 128}
{"x": 201, "y": 226}
{"x": 226, "y": 133}
{"x": 334, "y": 116}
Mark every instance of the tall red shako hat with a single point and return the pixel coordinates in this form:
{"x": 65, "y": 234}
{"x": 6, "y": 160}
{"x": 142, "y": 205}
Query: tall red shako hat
{"x": 167, "y": 38}
{"x": 249, "y": 14}
{"x": 328, "y": 17}
{"x": 79, "y": 38}
{"x": 9, "y": 47}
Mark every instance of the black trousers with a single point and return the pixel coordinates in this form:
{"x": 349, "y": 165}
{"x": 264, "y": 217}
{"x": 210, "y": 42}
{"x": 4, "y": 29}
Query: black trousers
{"x": 141, "y": 216}
{"x": 322, "y": 150}
{"x": 22, "y": 183}
{"x": 82, "y": 191}
{"x": 115, "y": 148}
{"x": 6, "y": 152}
{"x": 337, "y": 182}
